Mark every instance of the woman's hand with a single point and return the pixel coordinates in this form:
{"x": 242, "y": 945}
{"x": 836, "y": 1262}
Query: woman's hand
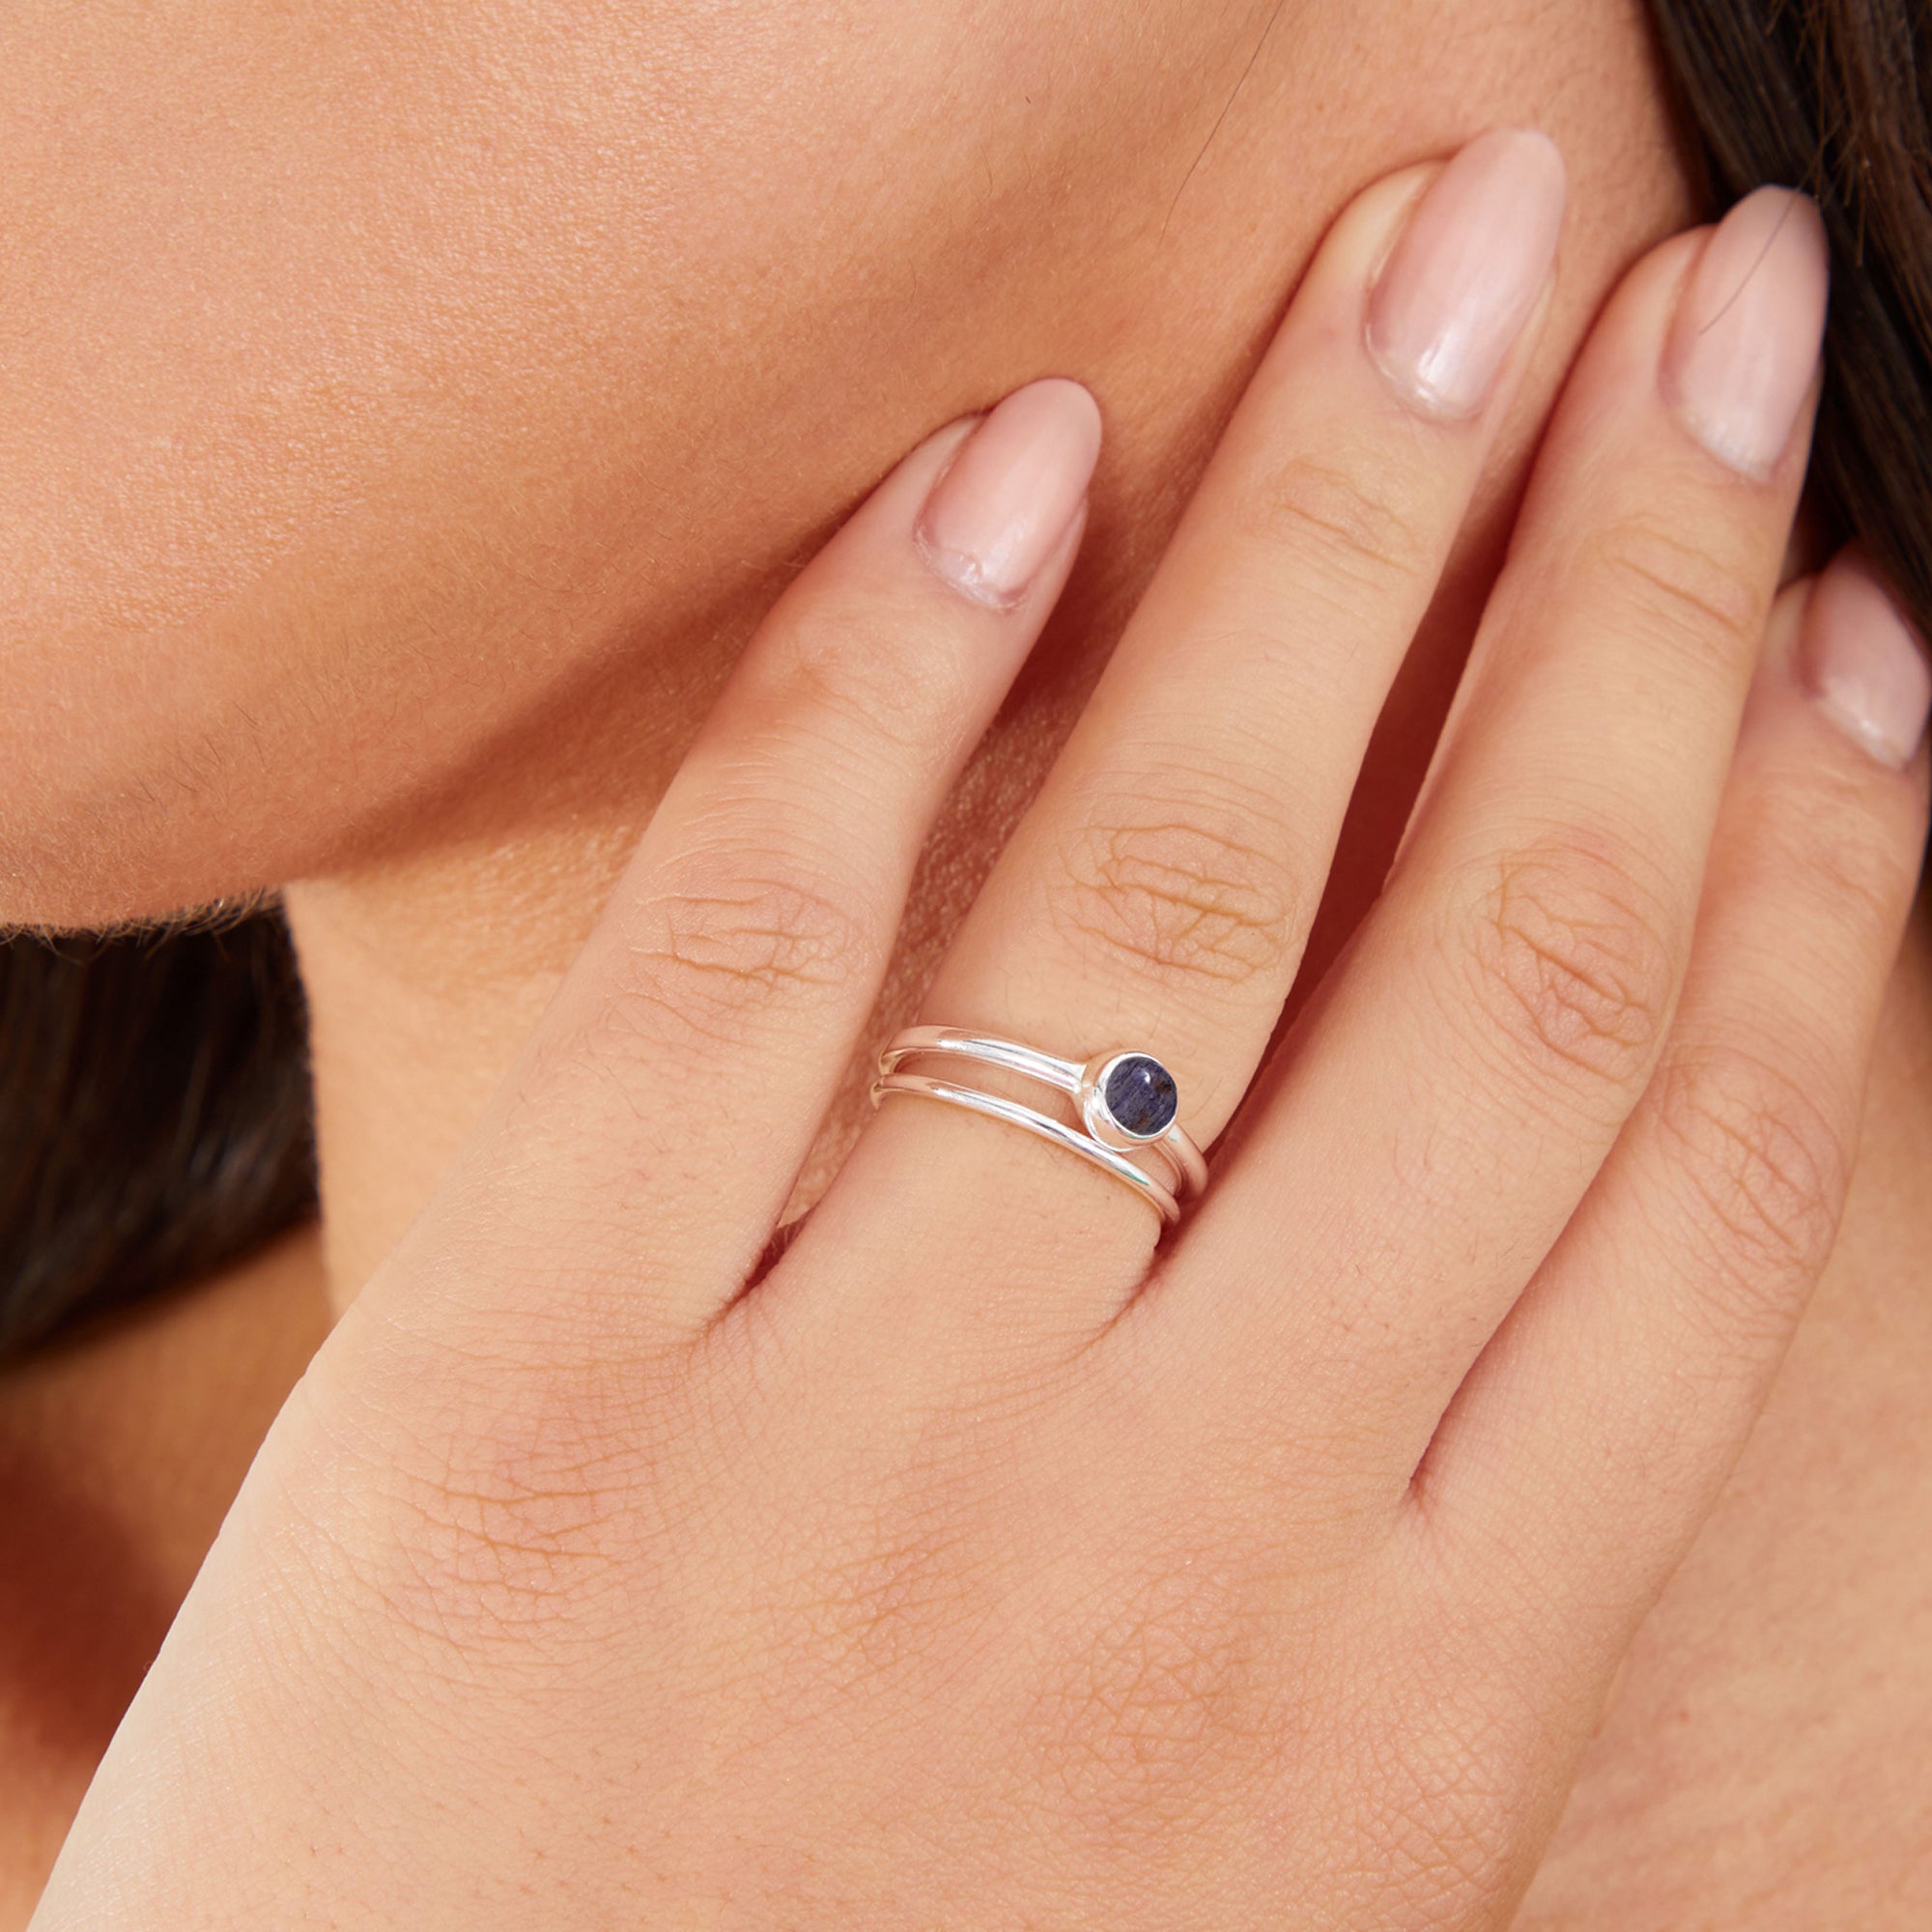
{"x": 983, "y": 1565}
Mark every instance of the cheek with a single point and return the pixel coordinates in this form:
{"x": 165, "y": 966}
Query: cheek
{"x": 369, "y": 368}
{"x": 376, "y": 382}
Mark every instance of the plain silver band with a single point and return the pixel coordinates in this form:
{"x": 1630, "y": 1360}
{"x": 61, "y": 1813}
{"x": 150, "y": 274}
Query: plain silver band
{"x": 1176, "y": 1147}
{"x": 1017, "y": 1114}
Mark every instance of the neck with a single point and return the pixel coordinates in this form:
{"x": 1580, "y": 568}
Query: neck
{"x": 423, "y": 975}
{"x": 426, "y": 961}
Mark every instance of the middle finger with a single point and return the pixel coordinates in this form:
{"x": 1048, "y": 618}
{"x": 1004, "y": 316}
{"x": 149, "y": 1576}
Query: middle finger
{"x": 1428, "y": 1132}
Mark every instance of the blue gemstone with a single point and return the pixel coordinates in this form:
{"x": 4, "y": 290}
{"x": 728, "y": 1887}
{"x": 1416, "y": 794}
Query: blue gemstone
{"x": 1140, "y": 1095}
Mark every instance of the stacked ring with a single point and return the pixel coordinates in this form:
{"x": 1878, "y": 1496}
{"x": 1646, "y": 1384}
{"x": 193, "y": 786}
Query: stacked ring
{"x": 1126, "y": 1103}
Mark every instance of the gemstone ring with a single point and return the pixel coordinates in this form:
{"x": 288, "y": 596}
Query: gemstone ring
{"x": 1126, "y": 1103}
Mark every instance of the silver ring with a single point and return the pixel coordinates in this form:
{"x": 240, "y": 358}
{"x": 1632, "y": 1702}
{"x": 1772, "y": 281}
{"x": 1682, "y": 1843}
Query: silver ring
{"x": 1126, "y": 1102}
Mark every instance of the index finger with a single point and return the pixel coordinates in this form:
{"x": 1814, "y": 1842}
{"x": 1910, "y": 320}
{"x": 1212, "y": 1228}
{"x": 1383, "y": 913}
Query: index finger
{"x": 648, "y": 1136}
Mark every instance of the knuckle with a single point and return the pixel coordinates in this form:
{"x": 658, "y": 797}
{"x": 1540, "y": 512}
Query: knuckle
{"x": 846, "y": 669}
{"x": 1570, "y": 963}
{"x": 1192, "y": 889}
{"x": 700, "y": 957}
{"x": 1765, "y": 1173}
{"x": 1667, "y": 586}
{"x": 1153, "y": 1703}
{"x": 1336, "y": 521}
{"x": 1862, "y": 880}
{"x": 890, "y": 1603}
{"x": 1448, "y": 1836}
{"x": 502, "y": 1505}
{"x": 1816, "y": 831}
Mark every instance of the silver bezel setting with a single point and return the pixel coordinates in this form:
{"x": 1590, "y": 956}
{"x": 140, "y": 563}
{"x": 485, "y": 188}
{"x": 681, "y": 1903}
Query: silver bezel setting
{"x": 1099, "y": 1116}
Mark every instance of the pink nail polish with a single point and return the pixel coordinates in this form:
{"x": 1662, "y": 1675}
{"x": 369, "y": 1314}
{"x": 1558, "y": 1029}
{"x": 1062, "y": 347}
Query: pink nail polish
{"x": 1743, "y": 344}
{"x": 1002, "y": 506}
{"x": 1862, "y": 663}
{"x": 1468, "y": 272}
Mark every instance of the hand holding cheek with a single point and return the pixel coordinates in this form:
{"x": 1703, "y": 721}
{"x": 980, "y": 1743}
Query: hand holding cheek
{"x": 982, "y": 1563}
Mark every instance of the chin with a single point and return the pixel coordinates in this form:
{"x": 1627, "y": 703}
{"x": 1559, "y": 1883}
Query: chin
{"x": 97, "y": 865}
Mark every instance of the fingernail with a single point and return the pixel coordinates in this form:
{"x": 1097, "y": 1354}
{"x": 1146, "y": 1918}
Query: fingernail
{"x": 1862, "y": 663}
{"x": 1743, "y": 344}
{"x": 1467, "y": 273}
{"x": 1002, "y": 506}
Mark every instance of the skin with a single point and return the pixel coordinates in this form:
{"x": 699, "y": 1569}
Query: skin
{"x": 240, "y": 624}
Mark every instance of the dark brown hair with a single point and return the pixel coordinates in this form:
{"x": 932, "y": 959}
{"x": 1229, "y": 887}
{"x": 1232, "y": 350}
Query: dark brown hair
{"x": 154, "y": 1114}
{"x": 154, "y": 1098}
{"x": 1835, "y": 97}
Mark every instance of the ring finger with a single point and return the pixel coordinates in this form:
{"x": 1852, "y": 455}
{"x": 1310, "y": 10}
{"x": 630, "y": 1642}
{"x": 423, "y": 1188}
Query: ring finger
{"x": 1158, "y": 893}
